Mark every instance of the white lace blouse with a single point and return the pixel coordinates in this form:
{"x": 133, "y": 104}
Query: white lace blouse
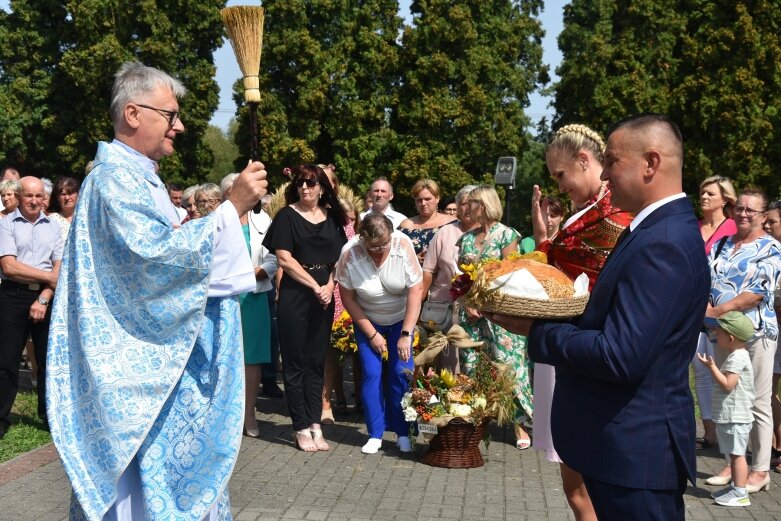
{"x": 381, "y": 292}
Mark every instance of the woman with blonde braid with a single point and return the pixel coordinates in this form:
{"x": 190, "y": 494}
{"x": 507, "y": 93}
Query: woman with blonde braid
{"x": 574, "y": 158}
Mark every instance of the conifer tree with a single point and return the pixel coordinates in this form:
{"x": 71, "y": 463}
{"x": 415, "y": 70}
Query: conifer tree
{"x": 712, "y": 65}
{"x": 58, "y": 62}
{"x": 328, "y": 73}
{"x": 468, "y": 67}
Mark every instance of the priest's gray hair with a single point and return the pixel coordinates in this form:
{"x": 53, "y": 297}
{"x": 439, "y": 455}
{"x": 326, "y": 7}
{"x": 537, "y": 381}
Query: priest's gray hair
{"x": 133, "y": 81}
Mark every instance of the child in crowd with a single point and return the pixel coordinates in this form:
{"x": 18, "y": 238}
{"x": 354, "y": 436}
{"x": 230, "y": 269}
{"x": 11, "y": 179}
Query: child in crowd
{"x": 732, "y": 399}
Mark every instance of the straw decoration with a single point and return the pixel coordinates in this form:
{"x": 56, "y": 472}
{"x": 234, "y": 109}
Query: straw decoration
{"x": 245, "y": 30}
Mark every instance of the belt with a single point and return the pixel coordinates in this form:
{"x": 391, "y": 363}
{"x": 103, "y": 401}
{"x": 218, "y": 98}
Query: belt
{"x": 328, "y": 267}
{"x": 12, "y": 284}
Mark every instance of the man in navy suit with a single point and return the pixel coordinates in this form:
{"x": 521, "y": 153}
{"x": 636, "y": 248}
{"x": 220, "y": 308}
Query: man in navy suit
{"x": 623, "y": 415}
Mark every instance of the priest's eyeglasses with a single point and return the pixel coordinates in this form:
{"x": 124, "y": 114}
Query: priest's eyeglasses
{"x": 170, "y": 115}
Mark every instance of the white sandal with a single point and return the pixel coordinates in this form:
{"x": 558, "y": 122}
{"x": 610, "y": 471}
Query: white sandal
{"x": 317, "y": 437}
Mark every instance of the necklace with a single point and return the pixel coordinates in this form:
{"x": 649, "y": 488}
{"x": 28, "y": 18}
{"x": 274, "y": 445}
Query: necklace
{"x": 300, "y": 208}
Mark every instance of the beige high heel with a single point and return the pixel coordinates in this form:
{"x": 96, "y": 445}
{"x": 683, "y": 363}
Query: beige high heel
{"x": 762, "y": 485}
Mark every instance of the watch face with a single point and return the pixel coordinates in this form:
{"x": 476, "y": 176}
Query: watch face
{"x": 405, "y": 333}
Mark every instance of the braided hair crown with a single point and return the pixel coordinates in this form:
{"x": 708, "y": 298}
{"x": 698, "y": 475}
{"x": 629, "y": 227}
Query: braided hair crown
{"x": 572, "y": 138}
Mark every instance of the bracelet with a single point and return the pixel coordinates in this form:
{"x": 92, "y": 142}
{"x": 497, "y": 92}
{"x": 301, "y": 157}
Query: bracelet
{"x": 374, "y": 335}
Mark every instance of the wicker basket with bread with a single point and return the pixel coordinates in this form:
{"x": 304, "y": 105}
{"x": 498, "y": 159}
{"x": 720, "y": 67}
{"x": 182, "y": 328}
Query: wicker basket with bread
{"x": 525, "y": 287}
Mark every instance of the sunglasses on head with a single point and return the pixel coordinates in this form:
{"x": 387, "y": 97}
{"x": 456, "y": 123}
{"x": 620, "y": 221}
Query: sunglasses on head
{"x": 308, "y": 181}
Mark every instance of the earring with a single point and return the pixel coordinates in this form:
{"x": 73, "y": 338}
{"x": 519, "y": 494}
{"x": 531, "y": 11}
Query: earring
{"x": 583, "y": 164}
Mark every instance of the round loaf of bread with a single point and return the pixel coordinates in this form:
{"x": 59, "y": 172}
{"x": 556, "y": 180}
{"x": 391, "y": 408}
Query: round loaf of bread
{"x": 557, "y": 285}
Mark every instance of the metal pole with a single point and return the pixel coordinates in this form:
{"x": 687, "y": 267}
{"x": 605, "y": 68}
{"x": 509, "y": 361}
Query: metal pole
{"x": 508, "y": 190}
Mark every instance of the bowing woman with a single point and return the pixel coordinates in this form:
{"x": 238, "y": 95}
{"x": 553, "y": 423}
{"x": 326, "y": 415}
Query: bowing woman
{"x": 381, "y": 286}
{"x": 307, "y": 236}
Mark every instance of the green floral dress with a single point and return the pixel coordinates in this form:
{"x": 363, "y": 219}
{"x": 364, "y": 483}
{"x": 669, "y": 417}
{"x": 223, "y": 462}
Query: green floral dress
{"x": 505, "y": 347}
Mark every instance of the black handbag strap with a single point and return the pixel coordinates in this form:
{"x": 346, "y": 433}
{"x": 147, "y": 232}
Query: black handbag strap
{"x": 720, "y": 247}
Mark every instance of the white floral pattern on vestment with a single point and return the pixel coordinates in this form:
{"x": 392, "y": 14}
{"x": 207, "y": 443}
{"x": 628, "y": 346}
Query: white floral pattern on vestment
{"x": 140, "y": 362}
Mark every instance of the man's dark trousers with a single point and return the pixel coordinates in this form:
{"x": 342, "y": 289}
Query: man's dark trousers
{"x": 16, "y": 326}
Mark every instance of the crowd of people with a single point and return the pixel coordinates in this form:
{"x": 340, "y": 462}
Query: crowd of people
{"x": 181, "y": 303}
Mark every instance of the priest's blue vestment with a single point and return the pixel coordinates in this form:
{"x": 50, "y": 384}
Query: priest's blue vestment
{"x": 145, "y": 367}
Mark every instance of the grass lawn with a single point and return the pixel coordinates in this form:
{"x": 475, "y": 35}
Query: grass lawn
{"x": 26, "y": 432}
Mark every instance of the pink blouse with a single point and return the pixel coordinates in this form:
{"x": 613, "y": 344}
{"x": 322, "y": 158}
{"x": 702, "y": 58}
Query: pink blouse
{"x": 726, "y": 228}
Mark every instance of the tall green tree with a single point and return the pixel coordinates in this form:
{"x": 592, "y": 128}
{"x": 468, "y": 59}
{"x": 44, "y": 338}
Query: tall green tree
{"x": 224, "y": 149}
{"x": 328, "y": 73}
{"x": 468, "y": 67}
{"x": 728, "y": 98}
{"x": 619, "y": 57}
{"x": 712, "y": 65}
{"x": 61, "y": 79}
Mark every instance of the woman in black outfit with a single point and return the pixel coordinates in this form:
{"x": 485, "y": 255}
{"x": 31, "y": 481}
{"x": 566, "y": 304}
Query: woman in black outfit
{"x": 307, "y": 236}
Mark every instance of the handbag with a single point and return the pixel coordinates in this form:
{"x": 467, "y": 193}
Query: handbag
{"x": 436, "y": 315}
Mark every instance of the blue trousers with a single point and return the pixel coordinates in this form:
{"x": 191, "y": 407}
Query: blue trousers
{"x": 384, "y": 383}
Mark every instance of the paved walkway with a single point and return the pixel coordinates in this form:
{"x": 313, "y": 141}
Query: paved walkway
{"x": 273, "y": 480}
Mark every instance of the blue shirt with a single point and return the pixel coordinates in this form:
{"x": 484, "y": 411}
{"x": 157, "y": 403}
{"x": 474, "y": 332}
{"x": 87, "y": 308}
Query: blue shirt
{"x": 754, "y": 268}
{"x": 37, "y": 244}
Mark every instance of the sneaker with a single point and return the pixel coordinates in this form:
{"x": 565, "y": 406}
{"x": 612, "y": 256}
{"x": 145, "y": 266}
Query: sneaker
{"x": 372, "y": 446}
{"x": 404, "y": 444}
{"x": 733, "y": 499}
{"x": 721, "y": 491}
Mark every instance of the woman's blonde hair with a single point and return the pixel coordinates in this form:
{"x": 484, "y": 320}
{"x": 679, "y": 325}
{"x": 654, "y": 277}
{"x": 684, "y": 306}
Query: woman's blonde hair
{"x": 10, "y": 184}
{"x": 571, "y": 139}
{"x": 425, "y": 184}
{"x": 727, "y": 191}
{"x": 487, "y": 196}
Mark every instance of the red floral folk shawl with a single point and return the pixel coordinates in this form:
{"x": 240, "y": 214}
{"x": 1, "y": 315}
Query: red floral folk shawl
{"x": 583, "y": 246}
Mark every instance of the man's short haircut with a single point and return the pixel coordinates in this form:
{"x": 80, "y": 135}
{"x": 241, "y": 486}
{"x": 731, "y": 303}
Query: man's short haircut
{"x": 173, "y": 187}
{"x": 10, "y": 168}
{"x": 133, "y": 81}
{"x": 383, "y": 178}
{"x": 644, "y": 121}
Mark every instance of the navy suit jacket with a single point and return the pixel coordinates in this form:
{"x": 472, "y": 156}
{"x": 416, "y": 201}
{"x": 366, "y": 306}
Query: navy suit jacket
{"x": 622, "y": 409}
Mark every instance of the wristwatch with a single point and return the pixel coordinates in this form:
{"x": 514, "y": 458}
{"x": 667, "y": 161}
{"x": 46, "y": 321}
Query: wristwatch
{"x": 405, "y": 333}
{"x": 43, "y": 301}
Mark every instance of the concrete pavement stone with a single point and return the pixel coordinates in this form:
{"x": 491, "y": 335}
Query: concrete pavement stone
{"x": 274, "y": 481}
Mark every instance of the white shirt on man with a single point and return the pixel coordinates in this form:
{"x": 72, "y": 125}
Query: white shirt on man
{"x": 396, "y": 217}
